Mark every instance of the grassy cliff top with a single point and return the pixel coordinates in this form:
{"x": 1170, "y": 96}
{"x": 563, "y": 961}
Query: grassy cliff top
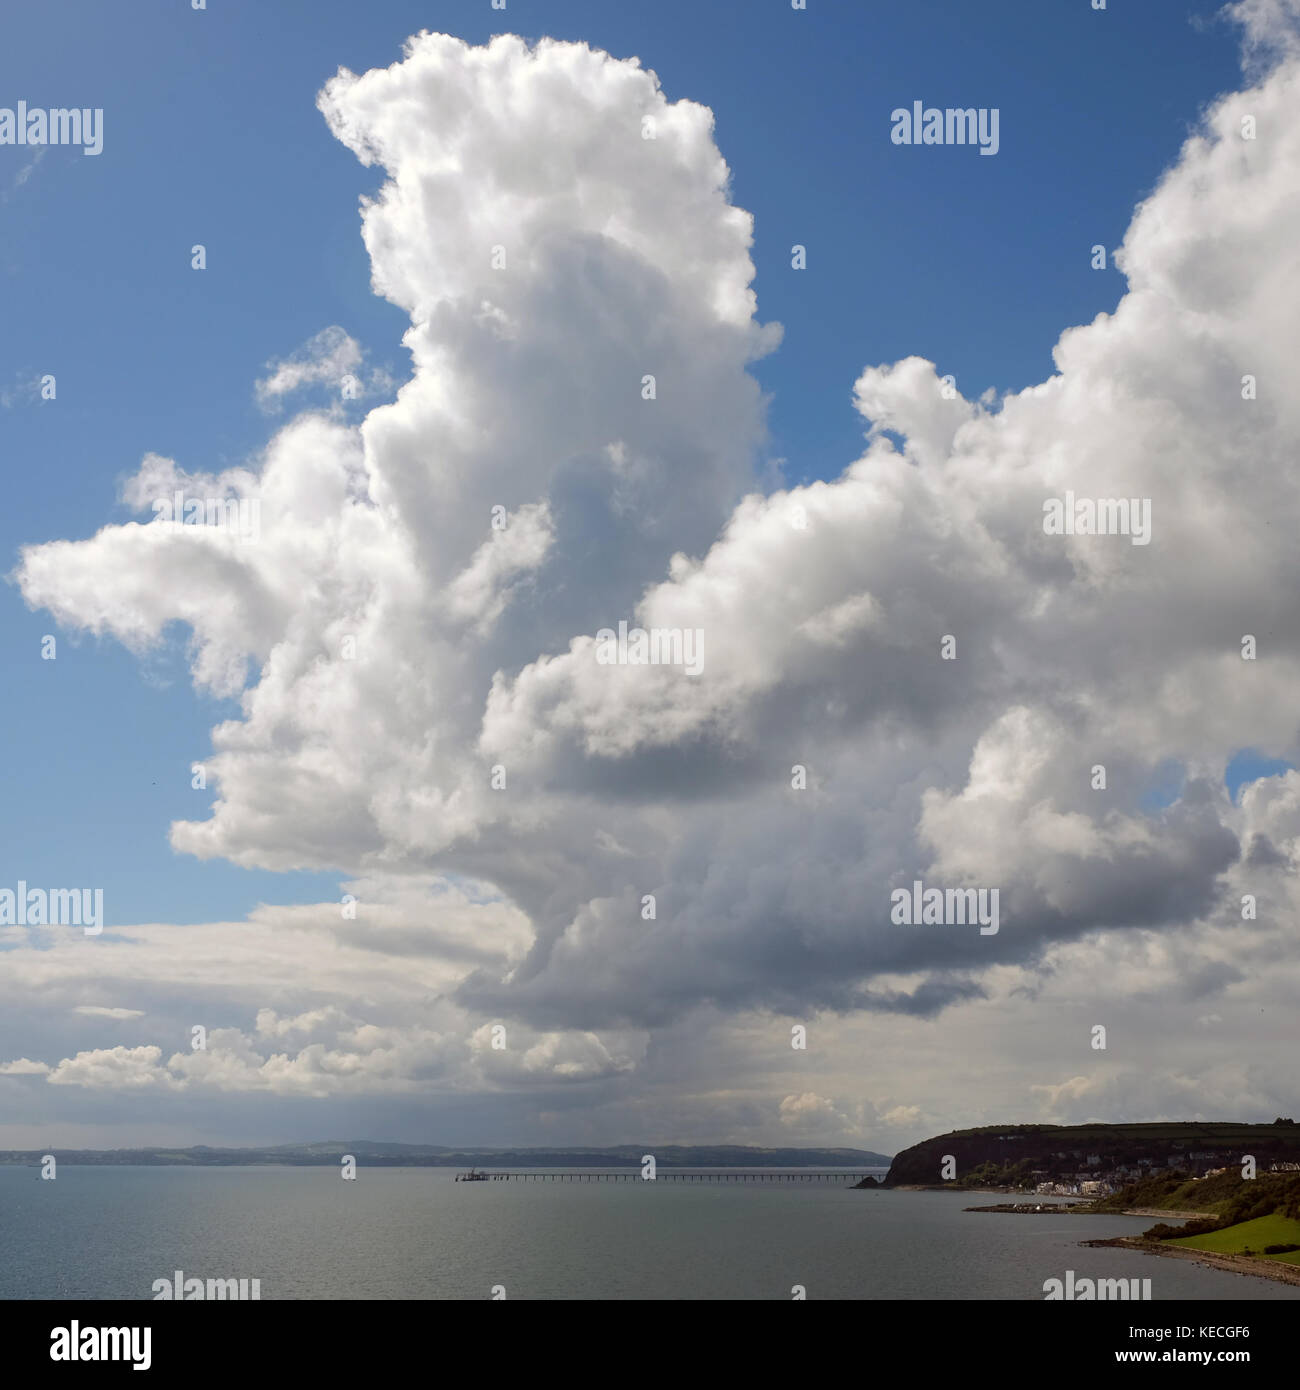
{"x": 1014, "y": 1153}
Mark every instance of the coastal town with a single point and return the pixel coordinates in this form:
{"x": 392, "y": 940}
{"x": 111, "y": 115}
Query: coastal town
{"x": 1092, "y": 1180}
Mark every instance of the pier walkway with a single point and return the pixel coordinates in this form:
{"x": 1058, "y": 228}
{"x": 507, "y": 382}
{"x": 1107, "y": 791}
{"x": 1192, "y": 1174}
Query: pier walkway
{"x": 662, "y": 1175}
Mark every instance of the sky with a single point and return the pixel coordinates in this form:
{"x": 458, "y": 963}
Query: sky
{"x": 435, "y": 276}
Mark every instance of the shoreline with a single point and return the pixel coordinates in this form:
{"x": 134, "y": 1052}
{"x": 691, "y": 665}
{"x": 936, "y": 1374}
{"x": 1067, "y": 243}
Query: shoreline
{"x": 1081, "y": 1208}
{"x": 949, "y": 1187}
{"x": 1040, "y": 1209}
{"x": 1248, "y": 1265}
{"x": 1160, "y": 1211}
{"x": 1078, "y": 1204}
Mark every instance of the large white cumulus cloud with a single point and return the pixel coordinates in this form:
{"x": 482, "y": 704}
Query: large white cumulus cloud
{"x": 391, "y": 648}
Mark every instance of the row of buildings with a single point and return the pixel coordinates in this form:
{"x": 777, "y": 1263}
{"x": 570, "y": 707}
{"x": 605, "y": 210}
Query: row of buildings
{"x": 1092, "y": 1182}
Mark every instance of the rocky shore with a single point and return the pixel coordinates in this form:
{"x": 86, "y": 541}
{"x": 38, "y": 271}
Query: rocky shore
{"x": 1277, "y": 1270}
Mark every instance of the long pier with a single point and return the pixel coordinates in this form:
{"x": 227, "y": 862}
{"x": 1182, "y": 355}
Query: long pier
{"x": 662, "y": 1175}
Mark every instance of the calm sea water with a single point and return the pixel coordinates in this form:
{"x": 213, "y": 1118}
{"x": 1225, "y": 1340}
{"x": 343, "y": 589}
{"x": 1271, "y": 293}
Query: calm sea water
{"x": 408, "y": 1233}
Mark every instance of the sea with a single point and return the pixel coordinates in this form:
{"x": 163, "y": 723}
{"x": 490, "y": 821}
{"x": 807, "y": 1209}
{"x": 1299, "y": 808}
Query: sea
{"x": 416, "y": 1233}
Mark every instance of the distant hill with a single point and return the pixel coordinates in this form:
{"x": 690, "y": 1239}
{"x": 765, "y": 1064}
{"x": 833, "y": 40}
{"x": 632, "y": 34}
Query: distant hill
{"x": 378, "y": 1154}
{"x": 1021, "y": 1155}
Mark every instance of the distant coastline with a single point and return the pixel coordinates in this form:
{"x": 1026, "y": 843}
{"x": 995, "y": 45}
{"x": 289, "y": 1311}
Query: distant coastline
{"x": 377, "y": 1154}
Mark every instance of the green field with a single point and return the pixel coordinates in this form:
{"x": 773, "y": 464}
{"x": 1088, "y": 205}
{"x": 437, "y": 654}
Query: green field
{"x": 1250, "y": 1235}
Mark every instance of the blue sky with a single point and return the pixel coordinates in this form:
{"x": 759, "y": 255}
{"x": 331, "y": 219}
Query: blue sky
{"x": 825, "y": 603}
{"x": 212, "y": 136}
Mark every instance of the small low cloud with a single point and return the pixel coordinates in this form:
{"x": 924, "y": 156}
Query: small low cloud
{"x": 332, "y": 359}
{"x": 902, "y": 1116}
{"x": 24, "y": 1066}
{"x": 23, "y": 390}
{"x": 25, "y": 173}
{"x": 810, "y": 1111}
